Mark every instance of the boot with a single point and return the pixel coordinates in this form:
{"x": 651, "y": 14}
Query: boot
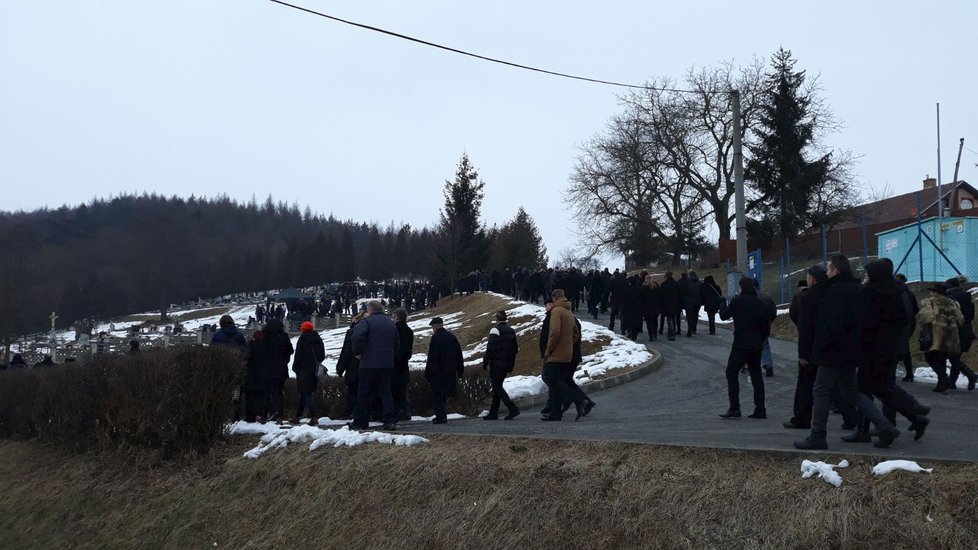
{"x": 758, "y": 413}
{"x": 919, "y": 426}
{"x": 588, "y": 406}
{"x": 972, "y": 380}
{"x": 886, "y": 438}
{"x": 811, "y": 443}
{"x": 731, "y": 413}
{"x": 857, "y": 436}
{"x": 512, "y": 414}
{"x": 491, "y": 416}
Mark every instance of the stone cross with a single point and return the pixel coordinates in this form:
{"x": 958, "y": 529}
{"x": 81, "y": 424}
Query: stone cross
{"x": 54, "y": 317}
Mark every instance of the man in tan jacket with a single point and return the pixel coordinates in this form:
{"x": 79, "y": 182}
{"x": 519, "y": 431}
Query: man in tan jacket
{"x": 559, "y": 356}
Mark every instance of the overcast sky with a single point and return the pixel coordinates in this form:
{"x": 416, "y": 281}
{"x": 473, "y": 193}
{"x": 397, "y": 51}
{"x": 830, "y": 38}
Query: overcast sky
{"x": 247, "y": 97}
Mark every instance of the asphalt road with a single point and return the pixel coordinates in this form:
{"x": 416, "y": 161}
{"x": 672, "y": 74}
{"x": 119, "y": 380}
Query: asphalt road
{"x": 679, "y": 404}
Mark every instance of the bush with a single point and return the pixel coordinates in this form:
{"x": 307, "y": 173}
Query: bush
{"x": 174, "y": 401}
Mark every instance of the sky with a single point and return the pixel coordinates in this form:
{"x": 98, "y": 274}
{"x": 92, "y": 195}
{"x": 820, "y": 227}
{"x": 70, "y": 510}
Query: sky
{"x": 250, "y": 98}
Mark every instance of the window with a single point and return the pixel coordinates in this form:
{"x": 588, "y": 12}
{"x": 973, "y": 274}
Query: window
{"x": 967, "y": 204}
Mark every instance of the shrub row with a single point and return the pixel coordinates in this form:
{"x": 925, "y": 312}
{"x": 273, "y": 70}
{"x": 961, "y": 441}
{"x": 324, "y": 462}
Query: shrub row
{"x": 175, "y": 401}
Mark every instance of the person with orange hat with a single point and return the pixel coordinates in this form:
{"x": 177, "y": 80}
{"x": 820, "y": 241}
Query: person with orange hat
{"x": 309, "y": 352}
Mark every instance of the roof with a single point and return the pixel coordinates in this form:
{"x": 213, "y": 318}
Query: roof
{"x": 899, "y": 208}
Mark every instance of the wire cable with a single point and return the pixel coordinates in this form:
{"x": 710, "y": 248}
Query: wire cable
{"x": 486, "y": 58}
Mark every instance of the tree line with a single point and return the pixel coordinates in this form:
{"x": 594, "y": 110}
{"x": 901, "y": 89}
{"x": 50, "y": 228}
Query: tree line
{"x": 143, "y": 252}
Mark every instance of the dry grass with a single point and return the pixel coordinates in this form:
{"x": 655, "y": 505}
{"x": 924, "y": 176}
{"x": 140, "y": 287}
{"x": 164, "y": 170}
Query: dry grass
{"x": 467, "y": 492}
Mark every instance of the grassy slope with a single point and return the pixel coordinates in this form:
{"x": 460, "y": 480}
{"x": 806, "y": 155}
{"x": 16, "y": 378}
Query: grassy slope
{"x": 464, "y": 492}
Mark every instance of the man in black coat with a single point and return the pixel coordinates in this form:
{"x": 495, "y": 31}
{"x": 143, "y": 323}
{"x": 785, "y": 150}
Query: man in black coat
{"x": 966, "y": 333}
{"x": 278, "y": 350}
{"x": 348, "y": 367}
{"x": 375, "y": 342}
{"x": 443, "y": 369}
{"x": 499, "y": 360}
{"x": 402, "y": 373}
{"x": 837, "y": 350}
{"x": 671, "y": 303}
{"x": 752, "y": 326}
{"x": 617, "y": 288}
{"x": 804, "y": 314}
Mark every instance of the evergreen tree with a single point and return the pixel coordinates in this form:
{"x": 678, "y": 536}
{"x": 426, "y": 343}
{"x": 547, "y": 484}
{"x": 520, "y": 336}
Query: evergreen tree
{"x": 788, "y": 184}
{"x": 347, "y": 258}
{"x": 518, "y": 244}
{"x": 375, "y": 261}
{"x": 461, "y": 246}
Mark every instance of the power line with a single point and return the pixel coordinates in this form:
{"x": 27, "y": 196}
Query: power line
{"x": 483, "y": 57}
{"x": 970, "y": 150}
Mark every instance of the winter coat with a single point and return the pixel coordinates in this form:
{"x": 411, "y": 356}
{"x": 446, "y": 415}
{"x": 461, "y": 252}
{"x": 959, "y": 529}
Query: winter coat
{"x": 375, "y": 341}
{"x": 501, "y": 349}
{"x": 348, "y": 365}
{"x": 772, "y": 308}
{"x": 671, "y": 299}
{"x": 617, "y": 288}
{"x": 445, "y": 365}
{"x": 255, "y": 380}
{"x": 805, "y": 317}
{"x": 309, "y": 352}
{"x": 752, "y": 324}
{"x": 692, "y": 290}
{"x": 838, "y": 334}
{"x": 631, "y": 310}
{"x": 966, "y": 333}
{"x": 884, "y": 319}
{"x": 651, "y": 298}
{"x": 912, "y": 308}
{"x": 231, "y": 337}
{"x": 944, "y": 317}
{"x": 278, "y": 350}
{"x": 710, "y": 295}
{"x": 545, "y": 334}
{"x": 17, "y": 363}
{"x": 405, "y": 347}
{"x": 560, "y": 341}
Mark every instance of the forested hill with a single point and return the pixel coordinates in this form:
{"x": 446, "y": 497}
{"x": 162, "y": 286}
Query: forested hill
{"x": 134, "y": 253}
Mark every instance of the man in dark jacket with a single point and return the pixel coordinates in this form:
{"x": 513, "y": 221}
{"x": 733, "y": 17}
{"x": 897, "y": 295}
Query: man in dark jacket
{"x": 617, "y": 288}
{"x": 837, "y": 350}
{"x": 402, "y": 373}
{"x": 443, "y": 369}
{"x": 375, "y": 342}
{"x": 500, "y": 359}
{"x": 692, "y": 302}
{"x": 804, "y": 314}
{"x": 275, "y": 357}
{"x": 767, "y": 359}
{"x": 966, "y": 333}
{"x": 752, "y": 326}
{"x": 671, "y": 304}
{"x": 309, "y": 352}
{"x": 229, "y": 336}
{"x": 712, "y": 297}
{"x": 348, "y": 367}
{"x": 903, "y": 349}
{"x": 256, "y": 386}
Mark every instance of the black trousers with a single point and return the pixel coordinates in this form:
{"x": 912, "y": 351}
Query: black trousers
{"x": 399, "y": 384}
{"x": 804, "y": 397}
{"x": 712, "y": 316}
{"x": 909, "y": 403}
{"x": 615, "y": 313}
{"x": 737, "y": 360}
{"x": 374, "y": 382}
{"x": 276, "y": 399}
{"x": 958, "y": 368}
{"x": 439, "y": 402}
{"x": 497, "y": 376}
{"x": 555, "y": 377}
{"x": 938, "y": 361}
{"x": 351, "y": 398}
{"x": 256, "y": 404}
{"x": 650, "y": 325}
{"x": 576, "y": 394}
{"x": 692, "y": 319}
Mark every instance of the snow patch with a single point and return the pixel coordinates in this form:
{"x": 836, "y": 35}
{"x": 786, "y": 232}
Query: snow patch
{"x": 824, "y": 471}
{"x": 319, "y": 437}
{"x": 891, "y": 466}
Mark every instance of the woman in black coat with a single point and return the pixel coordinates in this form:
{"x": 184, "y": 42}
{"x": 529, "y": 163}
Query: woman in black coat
{"x": 712, "y": 298}
{"x": 651, "y": 298}
{"x": 309, "y": 352}
{"x": 256, "y": 386}
{"x": 275, "y": 365}
{"x": 348, "y": 366}
{"x": 631, "y": 310}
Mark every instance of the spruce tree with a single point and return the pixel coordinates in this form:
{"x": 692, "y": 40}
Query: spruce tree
{"x": 347, "y": 259}
{"x": 462, "y": 245}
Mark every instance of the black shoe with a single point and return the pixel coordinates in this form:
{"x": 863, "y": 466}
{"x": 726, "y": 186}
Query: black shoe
{"x": 908, "y": 375}
{"x": 566, "y": 406}
{"x": 355, "y": 426}
{"x": 922, "y": 410}
{"x": 731, "y": 413}
{"x": 491, "y": 417}
{"x": 791, "y": 425}
{"x": 758, "y": 414}
{"x": 545, "y": 411}
{"x": 440, "y": 421}
{"x": 940, "y": 388}
{"x": 769, "y": 369}
{"x": 920, "y": 426}
{"x": 972, "y": 380}
{"x": 857, "y": 436}
{"x": 390, "y": 426}
{"x": 588, "y": 406}
{"x": 580, "y": 410}
{"x": 810, "y": 443}
{"x": 688, "y": 335}
{"x": 846, "y": 426}
{"x": 886, "y": 438}
{"x": 551, "y": 418}
{"x": 512, "y": 415}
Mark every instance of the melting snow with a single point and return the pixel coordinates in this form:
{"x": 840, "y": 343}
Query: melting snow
{"x": 320, "y": 437}
{"x": 824, "y": 471}
{"x": 890, "y": 466}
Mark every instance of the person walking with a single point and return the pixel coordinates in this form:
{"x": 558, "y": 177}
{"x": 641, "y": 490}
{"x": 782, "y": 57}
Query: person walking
{"x": 751, "y": 328}
{"x": 375, "y": 342}
{"x": 940, "y": 320}
{"x": 348, "y": 367}
{"x": 651, "y": 299}
{"x": 278, "y": 351}
{"x": 767, "y": 358}
{"x": 804, "y": 314}
{"x": 616, "y": 294}
{"x": 499, "y": 360}
{"x": 671, "y": 304}
{"x": 692, "y": 302}
{"x": 712, "y": 298}
{"x": 402, "y": 371}
{"x": 559, "y": 357}
{"x": 903, "y": 344}
{"x": 443, "y": 368}
{"x": 631, "y": 309}
{"x": 837, "y": 350}
{"x": 256, "y": 390}
{"x": 309, "y": 353}
{"x": 966, "y": 333}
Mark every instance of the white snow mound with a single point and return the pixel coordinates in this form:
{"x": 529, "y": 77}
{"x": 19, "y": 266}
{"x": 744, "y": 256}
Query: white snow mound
{"x": 824, "y": 471}
{"x": 890, "y": 466}
{"x": 319, "y": 437}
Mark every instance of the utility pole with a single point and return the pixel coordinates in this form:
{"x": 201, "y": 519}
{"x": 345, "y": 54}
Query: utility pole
{"x": 738, "y": 167}
{"x": 957, "y": 164}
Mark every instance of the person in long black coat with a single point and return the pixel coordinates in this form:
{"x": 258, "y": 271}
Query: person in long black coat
{"x": 256, "y": 385}
{"x": 402, "y": 372}
{"x": 711, "y": 296}
{"x": 309, "y": 352}
{"x": 651, "y": 298}
{"x": 752, "y": 325}
{"x": 617, "y": 288}
{"x": 903, "y": 345}
{"x": 443, "y": 369}
{"x": 631, "y": 310}
{"x": 804, "y": 313}
{"x": 348, "y": 366}
{"x": 278, "y": 351}
{"x": 671, "y": 304}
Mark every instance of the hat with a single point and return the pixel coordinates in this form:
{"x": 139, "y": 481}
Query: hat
{"x": 939, "y": 288}
{"x": 818, "y": 273}
{"x": 436, "y": 321}
{"x": 226, "y": 320}
{"x": 307, "y": 327}
{"x": 953, "y": 282}
{"x": 548, "y": 301}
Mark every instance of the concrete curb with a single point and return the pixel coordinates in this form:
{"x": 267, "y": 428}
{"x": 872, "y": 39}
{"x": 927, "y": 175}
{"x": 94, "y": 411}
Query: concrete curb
{"x": 602, "y": 384}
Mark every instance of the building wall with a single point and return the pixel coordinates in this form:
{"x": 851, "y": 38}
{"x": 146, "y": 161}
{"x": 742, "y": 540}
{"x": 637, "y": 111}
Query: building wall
{"x": 957, "y": 238}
